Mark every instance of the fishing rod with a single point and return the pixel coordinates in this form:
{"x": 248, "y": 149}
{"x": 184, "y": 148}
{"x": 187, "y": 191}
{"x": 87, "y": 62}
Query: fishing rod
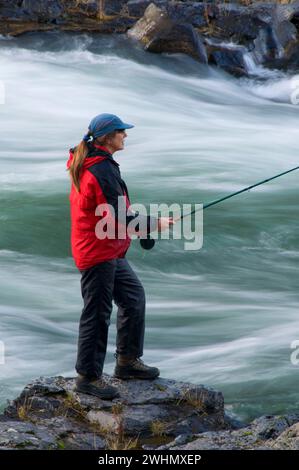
{"x": 149, "y": 243}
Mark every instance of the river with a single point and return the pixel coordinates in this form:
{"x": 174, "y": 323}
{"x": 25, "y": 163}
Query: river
{"x": 223, "y": 316}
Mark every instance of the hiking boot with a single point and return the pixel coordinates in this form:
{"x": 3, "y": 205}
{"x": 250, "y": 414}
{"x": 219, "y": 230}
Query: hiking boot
{"x": 96, "y": 387}
{"x": 128, "y": 367}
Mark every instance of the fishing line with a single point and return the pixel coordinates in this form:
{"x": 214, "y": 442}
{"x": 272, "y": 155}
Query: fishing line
{"x": 149, "y": 243}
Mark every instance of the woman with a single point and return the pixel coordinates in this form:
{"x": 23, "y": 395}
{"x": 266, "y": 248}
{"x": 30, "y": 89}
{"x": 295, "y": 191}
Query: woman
{"x": 106, "y": 273}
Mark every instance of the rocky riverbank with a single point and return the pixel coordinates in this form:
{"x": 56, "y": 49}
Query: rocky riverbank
{"x": 160, "y": 414}
{"x": 237, "y": 37}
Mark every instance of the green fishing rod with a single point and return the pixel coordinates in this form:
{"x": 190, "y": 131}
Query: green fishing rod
{"x": 149, "y": 243}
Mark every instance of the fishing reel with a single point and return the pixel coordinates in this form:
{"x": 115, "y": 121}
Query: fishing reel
{"x": 147, "y": 243}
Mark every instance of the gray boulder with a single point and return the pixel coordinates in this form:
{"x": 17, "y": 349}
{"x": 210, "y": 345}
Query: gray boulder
{"x": 159, "y": 33}
{"x": 266, "y": 29}
{"x": 50, "y": 414}
{"x": 288, "y": 439}
{"x": 230, "y": 57}
{"x": 264, "y": 433}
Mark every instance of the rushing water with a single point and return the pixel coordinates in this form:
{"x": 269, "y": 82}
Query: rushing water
{"x": 223, "y": 316}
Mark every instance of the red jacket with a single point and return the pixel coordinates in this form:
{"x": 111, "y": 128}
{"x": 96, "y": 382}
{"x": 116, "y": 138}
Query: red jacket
{"x": 100, "y": 183}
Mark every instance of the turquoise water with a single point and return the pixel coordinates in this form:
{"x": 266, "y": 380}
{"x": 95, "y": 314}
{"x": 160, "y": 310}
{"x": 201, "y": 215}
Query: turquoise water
{"x": 224, "y": 316}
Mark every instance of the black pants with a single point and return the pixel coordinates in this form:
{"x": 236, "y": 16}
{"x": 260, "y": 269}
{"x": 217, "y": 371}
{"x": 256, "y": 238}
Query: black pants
{"x": 100, "y": 285}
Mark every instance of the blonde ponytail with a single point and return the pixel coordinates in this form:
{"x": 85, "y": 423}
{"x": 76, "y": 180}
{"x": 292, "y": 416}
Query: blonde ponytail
{"x": 75, "y": 167}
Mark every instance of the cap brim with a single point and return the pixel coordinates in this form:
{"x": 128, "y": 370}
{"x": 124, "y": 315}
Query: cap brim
{"x": 126, "y": 126}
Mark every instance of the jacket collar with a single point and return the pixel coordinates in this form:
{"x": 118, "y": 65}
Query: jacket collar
{"x": 101, "y": 151}
{"x": 101, "y": 147}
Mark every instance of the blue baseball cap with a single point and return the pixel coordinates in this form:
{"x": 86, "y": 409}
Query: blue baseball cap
{"x": 103, "y": 124}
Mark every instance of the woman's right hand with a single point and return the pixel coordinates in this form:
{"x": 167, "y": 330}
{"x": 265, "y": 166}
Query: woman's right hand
{"x": 165, "y": 222}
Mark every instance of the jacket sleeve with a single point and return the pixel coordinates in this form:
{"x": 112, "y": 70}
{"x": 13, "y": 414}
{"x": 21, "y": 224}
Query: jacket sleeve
{"x": 112, "y": 188}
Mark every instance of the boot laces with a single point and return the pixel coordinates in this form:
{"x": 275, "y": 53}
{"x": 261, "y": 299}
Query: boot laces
{"x": 100, "y": 382}
{"x": 135, "y": 362}
{"x": 139, "y": 363}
